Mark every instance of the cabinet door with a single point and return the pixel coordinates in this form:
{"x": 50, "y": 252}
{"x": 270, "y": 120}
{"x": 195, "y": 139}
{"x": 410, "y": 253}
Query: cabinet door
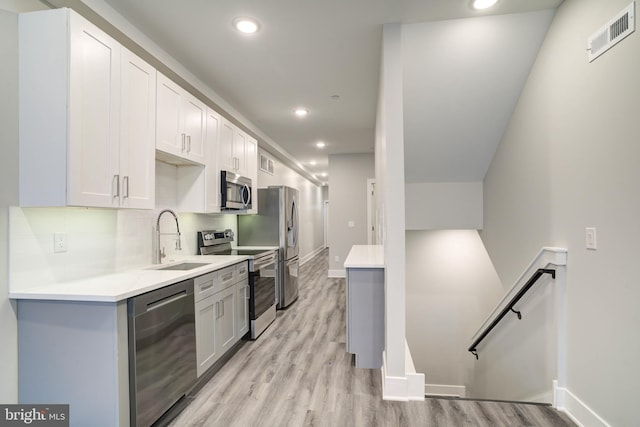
{"x": 195, "y": 114}
{"x": 251, "y": 152}
{"x": 212, "y": 174}
{"x": 94, "y": 92}
{"x": 242, "y": 308}
{"x": 225, "y": 147}
{"x": 137, "y": 132}
{"x": 239, "y": 153}
{"x": 206, "y": 351}
{"x": 169, "y": 135}
{"x": 226, "y": 319}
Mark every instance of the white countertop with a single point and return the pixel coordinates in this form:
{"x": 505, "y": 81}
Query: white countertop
{"x": 365, "y": 256}
{"x": 120, "y": 286}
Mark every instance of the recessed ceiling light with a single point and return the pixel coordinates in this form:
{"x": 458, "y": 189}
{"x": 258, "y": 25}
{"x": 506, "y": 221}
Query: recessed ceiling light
{"x": 301, "y": 112}
{"x": 483, "y": 4}
{"x": 320, "y": 144}
{"x": 313, "y": 163}
{"x": 246, "y": 25}
{"x": 323, "y": 174}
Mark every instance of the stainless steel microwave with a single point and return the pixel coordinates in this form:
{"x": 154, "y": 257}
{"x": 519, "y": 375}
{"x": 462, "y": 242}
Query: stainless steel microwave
{"x": 235, "y": 191}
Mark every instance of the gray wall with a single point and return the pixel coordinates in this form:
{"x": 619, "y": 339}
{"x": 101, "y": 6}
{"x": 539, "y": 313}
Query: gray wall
{"x": 570, "y": 160}
{"x": 348, "y": 174}
{"x": 8, "y": 196}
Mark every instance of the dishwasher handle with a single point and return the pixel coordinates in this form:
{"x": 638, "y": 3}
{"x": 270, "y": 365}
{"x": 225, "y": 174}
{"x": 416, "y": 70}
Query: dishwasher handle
{"x": 161, "y": 297}
{"x": 165, "y": 301}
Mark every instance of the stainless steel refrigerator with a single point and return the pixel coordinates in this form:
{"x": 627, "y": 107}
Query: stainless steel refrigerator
{"x": 276, "y": 224}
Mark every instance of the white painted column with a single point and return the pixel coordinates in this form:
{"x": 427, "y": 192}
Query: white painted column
{"x": 390, "y": 171}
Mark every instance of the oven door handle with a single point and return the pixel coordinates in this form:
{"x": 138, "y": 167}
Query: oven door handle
{"x": 262, "y": 264}
{"x": 265, "y": 261}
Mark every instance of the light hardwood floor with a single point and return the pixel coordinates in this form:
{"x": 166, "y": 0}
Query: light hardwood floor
{"x": 299, "y": 374}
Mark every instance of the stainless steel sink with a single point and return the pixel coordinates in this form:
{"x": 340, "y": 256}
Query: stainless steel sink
{"x": 183, "y": 266}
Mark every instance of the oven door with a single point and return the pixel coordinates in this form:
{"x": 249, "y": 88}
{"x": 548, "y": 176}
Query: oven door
{"x": 235, "y": 191}
{"x": 262, "y": 293}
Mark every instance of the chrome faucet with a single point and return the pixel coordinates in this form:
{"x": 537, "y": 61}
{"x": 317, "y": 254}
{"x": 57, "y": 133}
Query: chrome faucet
{"x": 160, "y": 251}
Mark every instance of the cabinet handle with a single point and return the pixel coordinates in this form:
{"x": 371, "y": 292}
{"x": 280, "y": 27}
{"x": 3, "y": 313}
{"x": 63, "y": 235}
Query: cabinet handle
{"x": 209, "y": 285}
{"x": 183, "y": 141}
{"x": 125, "y": 194}
{"x": 222, "y": 305}
{"x": 227, "y": 277}
{"x": 246, "y": 294}
{"x": 217, "y": 309}
{"x": 188, "y": 143}
{"x": 117, "y": 182}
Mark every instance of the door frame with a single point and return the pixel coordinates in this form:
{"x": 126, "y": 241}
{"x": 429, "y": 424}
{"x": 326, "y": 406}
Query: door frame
{"x": 371, "y": 208}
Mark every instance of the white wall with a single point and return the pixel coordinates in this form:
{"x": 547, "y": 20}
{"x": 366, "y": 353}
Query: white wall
{"x": 569, "y": 160}
{"x": 451, "y": 288}
{"x": 8, "y": 196}
{"x": 311, "y": 213}
{"x": 348, "y": 174}
{"x": 443, "y": 206}
{"x": 390, "y": 212}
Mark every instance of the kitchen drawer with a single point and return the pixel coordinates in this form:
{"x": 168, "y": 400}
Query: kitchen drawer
{"x": 205, "y": 285}
{"x": 227, "y": 277}
{"x": 242, "y": 271}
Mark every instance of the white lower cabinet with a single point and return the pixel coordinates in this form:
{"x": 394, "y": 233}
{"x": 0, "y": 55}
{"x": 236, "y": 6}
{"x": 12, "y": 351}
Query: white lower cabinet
{"x": 206, "y": 334}
{"x": 222, "y": 313}
{"x": 225, "y": 322}
{"x": 242, "y": 308}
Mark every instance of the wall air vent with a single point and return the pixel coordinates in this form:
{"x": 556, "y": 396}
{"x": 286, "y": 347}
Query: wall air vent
{"x": 613, "y": 32}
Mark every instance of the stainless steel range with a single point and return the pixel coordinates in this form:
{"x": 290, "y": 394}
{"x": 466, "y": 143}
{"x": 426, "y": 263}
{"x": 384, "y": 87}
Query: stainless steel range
{"x": 263, "y": 275}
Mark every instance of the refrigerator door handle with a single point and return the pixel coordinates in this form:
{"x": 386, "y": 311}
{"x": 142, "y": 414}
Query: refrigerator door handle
{"x": 294, "y": 222}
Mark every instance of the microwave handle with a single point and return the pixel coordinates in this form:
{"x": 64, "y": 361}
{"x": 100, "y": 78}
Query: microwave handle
{"x": 247, "y": 191}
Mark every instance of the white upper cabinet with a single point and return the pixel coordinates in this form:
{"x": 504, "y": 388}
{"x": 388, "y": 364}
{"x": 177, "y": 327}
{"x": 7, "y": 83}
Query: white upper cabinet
{"x": 226, "y": 157}
{"x": 181, "y": 124}
{"x": 239, "y": 151}
{"x": 73, "y": 116}
{"x": 137, "y": 132}
{"x": 251, "y": 161}
{"x": 232, "y": 149}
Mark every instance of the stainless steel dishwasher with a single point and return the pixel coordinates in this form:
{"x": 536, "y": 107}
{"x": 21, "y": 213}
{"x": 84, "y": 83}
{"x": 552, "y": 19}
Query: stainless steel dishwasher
{"x": 162, "y": 350}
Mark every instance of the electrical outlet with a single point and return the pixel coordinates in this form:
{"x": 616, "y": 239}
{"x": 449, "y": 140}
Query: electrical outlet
{"x": 590, "y": 238}
{"x": 336, "y": 258}
{"x": 351, "y": 224}
{"x": 59, "y": 242}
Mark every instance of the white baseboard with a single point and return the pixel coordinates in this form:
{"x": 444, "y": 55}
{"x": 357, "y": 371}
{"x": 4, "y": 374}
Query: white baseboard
{"x": 338, "y": 273}
{"x": 576, "y": 409}
{"x": 415, "y": 386}
{"x": 308, "y": 257}
{"x": 415, "y": 380}
{"x": 445, "y": 390}
{"x": 403, "y": 389}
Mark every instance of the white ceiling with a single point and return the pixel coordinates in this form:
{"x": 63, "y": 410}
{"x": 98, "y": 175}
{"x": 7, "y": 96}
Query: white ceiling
{"x": 309, "y": 50}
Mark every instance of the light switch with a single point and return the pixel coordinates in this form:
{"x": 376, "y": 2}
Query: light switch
{"x": 590, "y": 238}
{"x": 336, "y": 258}
{"x": 351, "y": 224}
{"x": 59, "y": 242}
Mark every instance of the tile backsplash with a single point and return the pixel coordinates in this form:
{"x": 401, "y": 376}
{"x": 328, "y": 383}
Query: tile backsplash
{"x": 99, "y": 241}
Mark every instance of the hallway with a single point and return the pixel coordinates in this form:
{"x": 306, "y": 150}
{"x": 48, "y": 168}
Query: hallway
{"x": 299, "y": 374}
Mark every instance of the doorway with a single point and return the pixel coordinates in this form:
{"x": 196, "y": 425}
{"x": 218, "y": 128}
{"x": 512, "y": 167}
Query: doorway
{"x": 371, "y": 211}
